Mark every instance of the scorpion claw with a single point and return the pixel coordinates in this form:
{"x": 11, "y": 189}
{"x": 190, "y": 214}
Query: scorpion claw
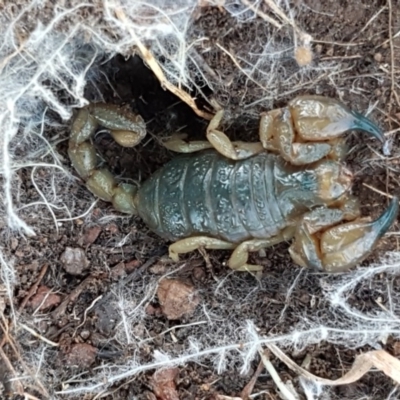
{"x": 323, "y": 118}
{"x": 346, "y": 245}
{"x": 311, "y": 128}
{"x": 335, "y": 248}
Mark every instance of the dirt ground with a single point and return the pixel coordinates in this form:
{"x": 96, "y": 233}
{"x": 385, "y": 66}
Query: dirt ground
{"x": 73, "y": 277}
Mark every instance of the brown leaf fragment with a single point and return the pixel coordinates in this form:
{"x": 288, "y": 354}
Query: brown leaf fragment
{"x": 177, "y": 298}
{"x": 151, "y": 310}
{"x": 163, "y": 384}
{"x": 44, "y": 299}
{"x": 81, "y": 355}
{"x": 112, "y": 228}
{"x": 118, "y": 271}
{"x": 74, "y": 260}
{"x": 90, "y": 235}
{"x": 379, "y": 359}
{"x": 122, "y": 269}
{"x": 131, "y": 265}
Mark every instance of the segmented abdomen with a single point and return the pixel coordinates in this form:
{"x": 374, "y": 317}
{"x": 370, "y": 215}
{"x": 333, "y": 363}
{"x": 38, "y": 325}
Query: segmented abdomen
{"x": 207, "y": 194}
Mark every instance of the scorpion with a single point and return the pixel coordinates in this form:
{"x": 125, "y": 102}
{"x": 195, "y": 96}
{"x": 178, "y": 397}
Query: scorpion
{"x": 221, "y": 194}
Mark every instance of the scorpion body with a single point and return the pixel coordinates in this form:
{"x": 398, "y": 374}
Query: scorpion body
{"x": 291, "y": 185}
{"x": 208, "y": 194}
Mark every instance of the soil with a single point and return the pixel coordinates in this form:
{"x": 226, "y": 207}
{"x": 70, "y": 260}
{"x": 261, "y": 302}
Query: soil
{"x": 89, "y": 260}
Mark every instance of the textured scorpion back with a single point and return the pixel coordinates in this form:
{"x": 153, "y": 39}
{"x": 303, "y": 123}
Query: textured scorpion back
{"x": 207, "y": 194}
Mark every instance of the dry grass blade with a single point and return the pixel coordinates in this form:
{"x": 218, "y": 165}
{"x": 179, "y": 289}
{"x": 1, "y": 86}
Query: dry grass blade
{"x": 304, "y": 37}
{"x": 34, "y": 287}
{"x": 262, "y": 15}
{"x": 37, "y": 335}
{"x": 286, "y": 393}
{"x": 378, "y": 191}
{"x": 18, "y": 387}
{"x": 378, "y": 359}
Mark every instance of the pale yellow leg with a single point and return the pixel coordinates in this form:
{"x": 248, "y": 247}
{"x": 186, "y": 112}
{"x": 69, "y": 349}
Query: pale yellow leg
{"x": 127, "y": 138}
{"x": 177, "y": 143}
{"x": 221, "y": 142}
{"x": 218, "y": 140}
{"x": 238, "y": 259}
{"x": 194, "y": 243}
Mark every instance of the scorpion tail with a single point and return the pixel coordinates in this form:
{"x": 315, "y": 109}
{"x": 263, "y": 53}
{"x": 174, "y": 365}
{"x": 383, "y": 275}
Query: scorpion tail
{"x": 127, "y": 129}
{"x": 103, "y": 184}
{"x": 344, "y": 246}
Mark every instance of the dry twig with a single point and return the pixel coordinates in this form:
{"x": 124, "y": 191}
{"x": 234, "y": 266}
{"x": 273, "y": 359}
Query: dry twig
{"x": 37, "y": 335}
{"x": 378, "y": 191}
{"x": 34, "y": 287}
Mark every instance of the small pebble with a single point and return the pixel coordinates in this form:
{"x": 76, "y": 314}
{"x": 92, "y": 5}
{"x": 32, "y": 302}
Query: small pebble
{"x": 85, "y": 334}
{"x": 14, "y": 243}
{"x": 177, "y": 298}
{"x": 74, "y": 260}
{"x": 378, "y": 57}
{"x": 303, "y": 56}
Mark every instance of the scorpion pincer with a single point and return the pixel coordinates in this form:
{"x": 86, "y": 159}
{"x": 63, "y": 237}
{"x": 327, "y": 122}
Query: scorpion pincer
{"x": 291, "y": 185}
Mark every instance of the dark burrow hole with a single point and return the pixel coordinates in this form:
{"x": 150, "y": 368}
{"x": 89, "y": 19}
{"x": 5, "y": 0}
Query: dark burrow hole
{"x": 131, "y": 82}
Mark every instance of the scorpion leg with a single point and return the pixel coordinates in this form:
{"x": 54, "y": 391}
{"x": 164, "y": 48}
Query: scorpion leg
{"x": 194, "y": 243}
{"x": 239, "y": 257}
{"x": 233, "y": 150}
{"x": 216, "y": 139}
{"x": 307, "y": 130}
{"x": 177, "y": 143}
{"x": 310, "y": 128}
{"x": 323, "y": 243}
{"x": 126, "y": 128}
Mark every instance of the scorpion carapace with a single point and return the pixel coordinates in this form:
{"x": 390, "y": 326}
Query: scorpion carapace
{"x": 291, "y": 185}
